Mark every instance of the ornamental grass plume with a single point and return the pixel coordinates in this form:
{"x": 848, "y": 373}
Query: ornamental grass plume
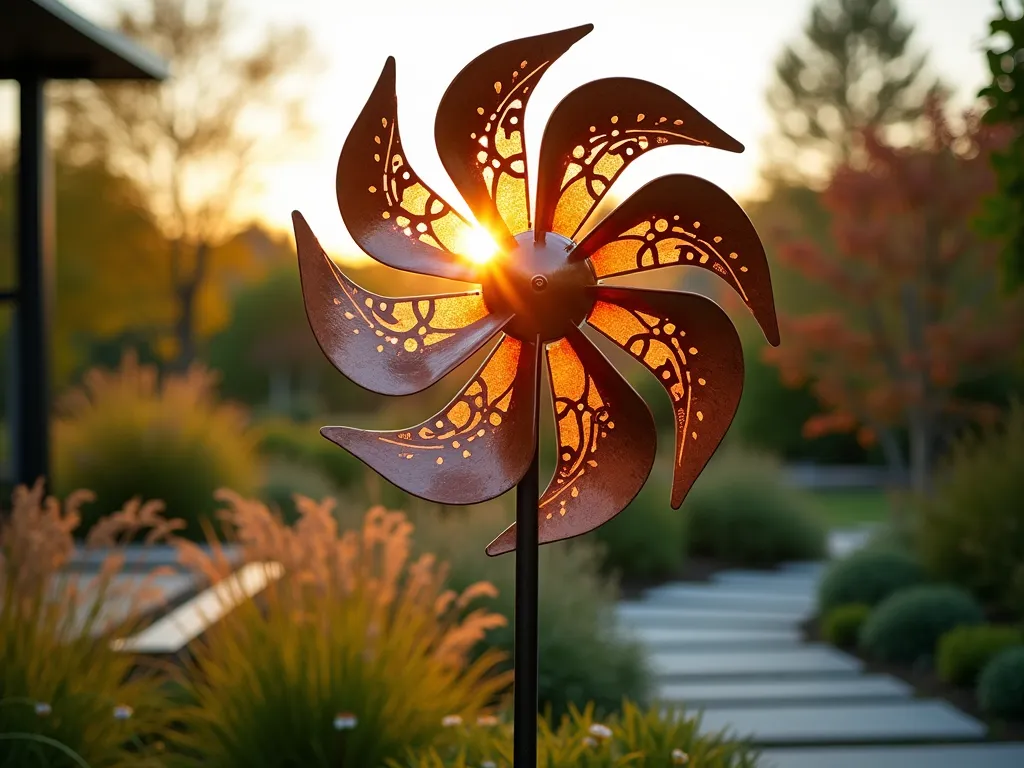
{"x": 66, "y": 697}
{"x": 354, "y": 625}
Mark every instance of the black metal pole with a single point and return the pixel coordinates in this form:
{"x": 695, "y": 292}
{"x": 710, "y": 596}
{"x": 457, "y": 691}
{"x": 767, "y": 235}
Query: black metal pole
{"x": 524, "y": 737}
{"x": 31, "y": 430}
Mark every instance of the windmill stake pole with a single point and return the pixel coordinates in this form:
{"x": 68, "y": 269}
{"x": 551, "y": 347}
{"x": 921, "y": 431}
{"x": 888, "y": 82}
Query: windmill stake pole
{"x": 524, "y": 737}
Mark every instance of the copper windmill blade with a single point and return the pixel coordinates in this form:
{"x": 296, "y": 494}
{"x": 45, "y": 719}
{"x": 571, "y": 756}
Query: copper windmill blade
{"x": 389, "y": 211}
{"x": 479, "y": 128}
{"x": 390, "y": 346}
{"x": 691, "y": 346}
{"x": 477, "y": 448}
{"x": 598, "y": 130}
{"x": 685, "y": 220}
{"x": 606, "y": 444}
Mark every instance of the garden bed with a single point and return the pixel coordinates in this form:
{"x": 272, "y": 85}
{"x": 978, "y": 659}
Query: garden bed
{"x": 927, "y": 684}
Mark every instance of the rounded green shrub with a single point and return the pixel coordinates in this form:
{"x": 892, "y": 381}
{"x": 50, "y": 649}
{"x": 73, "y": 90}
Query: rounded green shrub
{"x": 906, "y": 626}
{"x": 841, "y": 626}
{"x": 971, "y": 531}
{"x": 741, "y": 511}
{"x": 1001, "y": 685}
{"x": 868, "y": 577}
{"x": 125, "y": 433}
{"x": 964, "y": 651}
{"x": 645, "y": 541}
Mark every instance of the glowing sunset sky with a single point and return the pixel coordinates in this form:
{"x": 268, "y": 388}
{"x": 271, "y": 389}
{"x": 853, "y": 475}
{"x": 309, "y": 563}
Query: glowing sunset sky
{"x": 717, "y": 55}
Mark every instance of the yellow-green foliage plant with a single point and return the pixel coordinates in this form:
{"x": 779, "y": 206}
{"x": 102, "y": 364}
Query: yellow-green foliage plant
{"x": 356, "y": 653}
{"x": 128, "y": 432}
{"x": 67, "y": 698}
{"x": 658, "y": 737}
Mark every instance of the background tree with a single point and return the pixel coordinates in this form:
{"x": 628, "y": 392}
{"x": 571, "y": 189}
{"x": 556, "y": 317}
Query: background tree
{"x": 109, "y": 281}
{"x": 1004, "y": 214}
{"x": 854, "y": 67}
{"x": 920, "y": 313}
{"x": 191, "y": 144}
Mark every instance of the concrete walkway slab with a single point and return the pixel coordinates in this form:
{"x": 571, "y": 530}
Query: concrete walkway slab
{"x": 906, "y": 721}
{"x": 734, "y": 598}
{"x": 690, "y": 637}
{"x": 652, "y": 615}
{"x": 783, "y": 582}
{"x": 945, "y": 756}
{"x": 802, "y": 660}
{"x": 767, "y": 693}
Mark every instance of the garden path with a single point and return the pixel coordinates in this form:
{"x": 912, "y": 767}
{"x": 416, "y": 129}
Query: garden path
{"x": 732, "y": 647}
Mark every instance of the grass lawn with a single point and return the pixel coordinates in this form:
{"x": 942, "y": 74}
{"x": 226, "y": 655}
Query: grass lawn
{"x": 851, "y": 508}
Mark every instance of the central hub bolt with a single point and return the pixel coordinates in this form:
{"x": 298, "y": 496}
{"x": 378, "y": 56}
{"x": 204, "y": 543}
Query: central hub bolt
{"x": 538, "y": 284}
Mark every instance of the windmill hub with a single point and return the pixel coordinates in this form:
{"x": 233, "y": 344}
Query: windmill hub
{"x": 540, "y": 286}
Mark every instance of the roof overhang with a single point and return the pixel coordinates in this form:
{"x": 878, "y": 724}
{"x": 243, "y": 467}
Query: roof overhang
{"x": 44, "y": 38}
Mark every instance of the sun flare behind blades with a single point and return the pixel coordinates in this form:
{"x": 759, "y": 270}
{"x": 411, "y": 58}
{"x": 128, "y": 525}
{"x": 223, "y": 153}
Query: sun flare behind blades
{"x": 476, "y": 245}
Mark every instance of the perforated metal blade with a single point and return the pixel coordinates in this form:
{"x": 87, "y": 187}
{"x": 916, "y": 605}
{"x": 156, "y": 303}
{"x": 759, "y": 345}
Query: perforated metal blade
{"x": 479, "y": 128}
{"x": 596, "y": 132}
{"x": 390, "y": 346}
{"x": 685, "y": 220}
{"x": 606, "y": 444}
{"x": 692, "y": 348}
{"x": 477, "y": 448}
{"x": 389, "y": 211}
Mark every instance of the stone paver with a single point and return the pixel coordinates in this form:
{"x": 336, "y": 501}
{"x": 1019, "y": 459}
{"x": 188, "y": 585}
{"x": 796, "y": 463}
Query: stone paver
{"x": 749, "y": 693}
{"x": 691, "y": 637}
{"x": 782, "y": 582}
{"x": 944, "y": 756}
{"x": 733, "y": 598}
{"x": 805, "y": 659}
{"x": 906, "y": 721}
{"x": 650, "y": 615}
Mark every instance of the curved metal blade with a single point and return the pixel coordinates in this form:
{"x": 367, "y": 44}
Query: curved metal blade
{"x": 479, "y": 128}
{"x": 685, "y": 220}
{"x": 390, "y": 212}
{"x": 688, "y": 342}
{"x": 599, "y": 129}
{"x": 390, "y": 346}
{"x": 477, "y": 448}
{"x": 606, "y": 444}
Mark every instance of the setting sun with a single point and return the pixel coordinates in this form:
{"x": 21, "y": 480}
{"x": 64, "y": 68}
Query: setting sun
{"x": 477, "y": 245}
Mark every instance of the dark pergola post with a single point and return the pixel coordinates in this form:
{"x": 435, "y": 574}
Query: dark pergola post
{"x": 44, "y": 40}
{"x": 30, "y": 430}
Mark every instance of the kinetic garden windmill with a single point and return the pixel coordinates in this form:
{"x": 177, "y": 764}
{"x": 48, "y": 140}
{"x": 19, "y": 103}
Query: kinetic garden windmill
{"x": 536, "y": 287}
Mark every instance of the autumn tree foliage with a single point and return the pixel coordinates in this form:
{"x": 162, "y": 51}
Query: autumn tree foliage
{"x": 916, "y": 309}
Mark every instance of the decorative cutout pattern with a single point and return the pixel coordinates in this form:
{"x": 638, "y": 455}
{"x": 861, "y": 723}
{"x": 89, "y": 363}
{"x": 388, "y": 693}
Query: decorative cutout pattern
{"x": 477, "y": 448}
{"x": 598, "y": 130}
{"x": 479, "y": 128}
{"x": 583, "y": 420}
{"x": 685, "y": 220}
{"x": 606, "y": 444}
{"x": 392, "y": 346}
{"x": 692, "y": 348}
{"x": 476, "y": 413}
{"x": 390, "y": 211}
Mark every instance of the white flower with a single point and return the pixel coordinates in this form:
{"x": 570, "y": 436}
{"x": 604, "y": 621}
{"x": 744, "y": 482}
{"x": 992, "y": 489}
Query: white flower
{"x": 123, "y": 712}
{"x": 487, "y": 721}
{"x": 679, "y": 757}
{"x": 589, "y": 742}
{"x": 488, "y": 764}
{"x": 450, "y": 721}
{"x": 600, "y": 731}
{"x": 43, "y": 709}
{"x": 344, "y": 721}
